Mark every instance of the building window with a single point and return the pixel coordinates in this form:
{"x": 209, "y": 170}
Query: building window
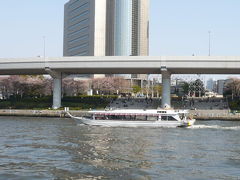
{"x": 78, "y": 39}
{"x": 78, "y": 47}
{"x": 78, "y": 16}
{"x": 81, "y": 54}
{"x": 79, "y": 31}
{"x": 78, "y": 24}
{"x": 85, "y": 5}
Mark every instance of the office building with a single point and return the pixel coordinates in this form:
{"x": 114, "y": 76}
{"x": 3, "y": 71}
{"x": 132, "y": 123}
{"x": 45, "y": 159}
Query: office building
{"x": 131, "y": 31}
{"x": 84, "y": 28}
{"x": 210, "y": 84}
{"x": 106, "y": 28}
{"x": 220, "y": 86}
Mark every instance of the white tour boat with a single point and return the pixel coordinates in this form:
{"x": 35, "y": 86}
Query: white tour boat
{"x": 135, "y": 118}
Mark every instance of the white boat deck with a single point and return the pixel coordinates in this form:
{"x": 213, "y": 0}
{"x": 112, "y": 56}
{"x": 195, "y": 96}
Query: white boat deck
{"x": 174, "y": 122}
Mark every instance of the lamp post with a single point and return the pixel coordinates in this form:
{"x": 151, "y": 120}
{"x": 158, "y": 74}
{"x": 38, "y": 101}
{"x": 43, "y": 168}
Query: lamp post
{"x": 209, "y": 43}
{"x": 44, "y": 49}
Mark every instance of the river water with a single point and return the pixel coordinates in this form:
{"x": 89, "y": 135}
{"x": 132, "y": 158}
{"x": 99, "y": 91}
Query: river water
{"x": 53, "y": 148}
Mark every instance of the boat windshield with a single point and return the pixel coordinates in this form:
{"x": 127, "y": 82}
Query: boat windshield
{"x": 168, "y": 118}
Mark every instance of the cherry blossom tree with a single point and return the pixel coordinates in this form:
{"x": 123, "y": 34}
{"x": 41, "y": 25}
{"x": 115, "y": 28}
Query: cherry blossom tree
{"x": 73, "y": 87}
{"x": 110, "y": 85}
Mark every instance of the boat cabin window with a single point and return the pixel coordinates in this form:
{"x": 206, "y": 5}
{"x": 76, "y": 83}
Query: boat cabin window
{"x": 162, "y": 112}
{"x": 99, "y": 117}
{"x": 152, "y": 118}
{"x": 125, "y": 117}
{"x": 164, "y": 118}
{"x": 168, "y": 118}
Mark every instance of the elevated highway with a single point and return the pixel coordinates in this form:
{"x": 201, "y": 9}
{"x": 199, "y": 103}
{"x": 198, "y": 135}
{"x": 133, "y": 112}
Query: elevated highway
{"x": 165, "y": 65}
{"x": 123, "y": 65}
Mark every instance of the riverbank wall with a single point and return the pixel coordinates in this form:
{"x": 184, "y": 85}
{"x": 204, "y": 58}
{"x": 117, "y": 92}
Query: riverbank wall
{"x": 38, "y": 113}
{"x": 223, "y": 115}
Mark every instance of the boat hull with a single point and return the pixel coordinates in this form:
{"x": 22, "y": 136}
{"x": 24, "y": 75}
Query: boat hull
{"x": 117, "y": 123}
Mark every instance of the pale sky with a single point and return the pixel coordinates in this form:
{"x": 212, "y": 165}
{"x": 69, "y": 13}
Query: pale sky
{"x": 177, "y": 27}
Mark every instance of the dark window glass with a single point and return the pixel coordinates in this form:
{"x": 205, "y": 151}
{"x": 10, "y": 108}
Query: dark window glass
{"x": 170, "y": 118}
{"x": 164, "y": 118}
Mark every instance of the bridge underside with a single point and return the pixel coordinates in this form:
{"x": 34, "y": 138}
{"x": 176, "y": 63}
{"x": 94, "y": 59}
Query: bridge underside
{"x": 121, "y": 71}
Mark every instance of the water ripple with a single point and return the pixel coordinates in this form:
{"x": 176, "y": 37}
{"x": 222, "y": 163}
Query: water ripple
{"x": 42, "y": 148}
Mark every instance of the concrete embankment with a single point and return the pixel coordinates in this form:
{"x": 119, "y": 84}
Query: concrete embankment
{"x": 38, "y": 113}
{"x": 223, "y": 115}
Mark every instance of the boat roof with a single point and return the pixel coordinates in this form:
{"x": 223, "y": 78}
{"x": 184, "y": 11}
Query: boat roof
{"x": 148, "y": 112}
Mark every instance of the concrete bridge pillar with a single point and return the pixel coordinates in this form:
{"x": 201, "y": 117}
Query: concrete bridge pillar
{"x": 57, "y": 88}
{"x": 166, "y": 88}
{"x": 57, "y": 92}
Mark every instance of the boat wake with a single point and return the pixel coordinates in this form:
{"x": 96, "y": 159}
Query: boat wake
{"x": 214, "y": 127}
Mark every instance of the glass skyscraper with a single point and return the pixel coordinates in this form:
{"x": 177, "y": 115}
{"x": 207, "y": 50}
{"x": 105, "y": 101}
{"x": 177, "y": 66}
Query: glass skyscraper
{"x": 123, "y": 28}
{"x": 131, "y": 27}
{"x": 85, "y": 28}
{"x": 106, "y": 28}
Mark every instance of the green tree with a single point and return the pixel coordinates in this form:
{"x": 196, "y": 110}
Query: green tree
{"x": 185, "y": 87}
{"x": 158, "y": 89}
{"x": 136, "y": 89}
{"x": 197, "y": 88}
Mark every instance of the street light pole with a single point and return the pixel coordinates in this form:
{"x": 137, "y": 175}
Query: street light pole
{"x": 209, "y": 43}
{"x": 44, "y": 49}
